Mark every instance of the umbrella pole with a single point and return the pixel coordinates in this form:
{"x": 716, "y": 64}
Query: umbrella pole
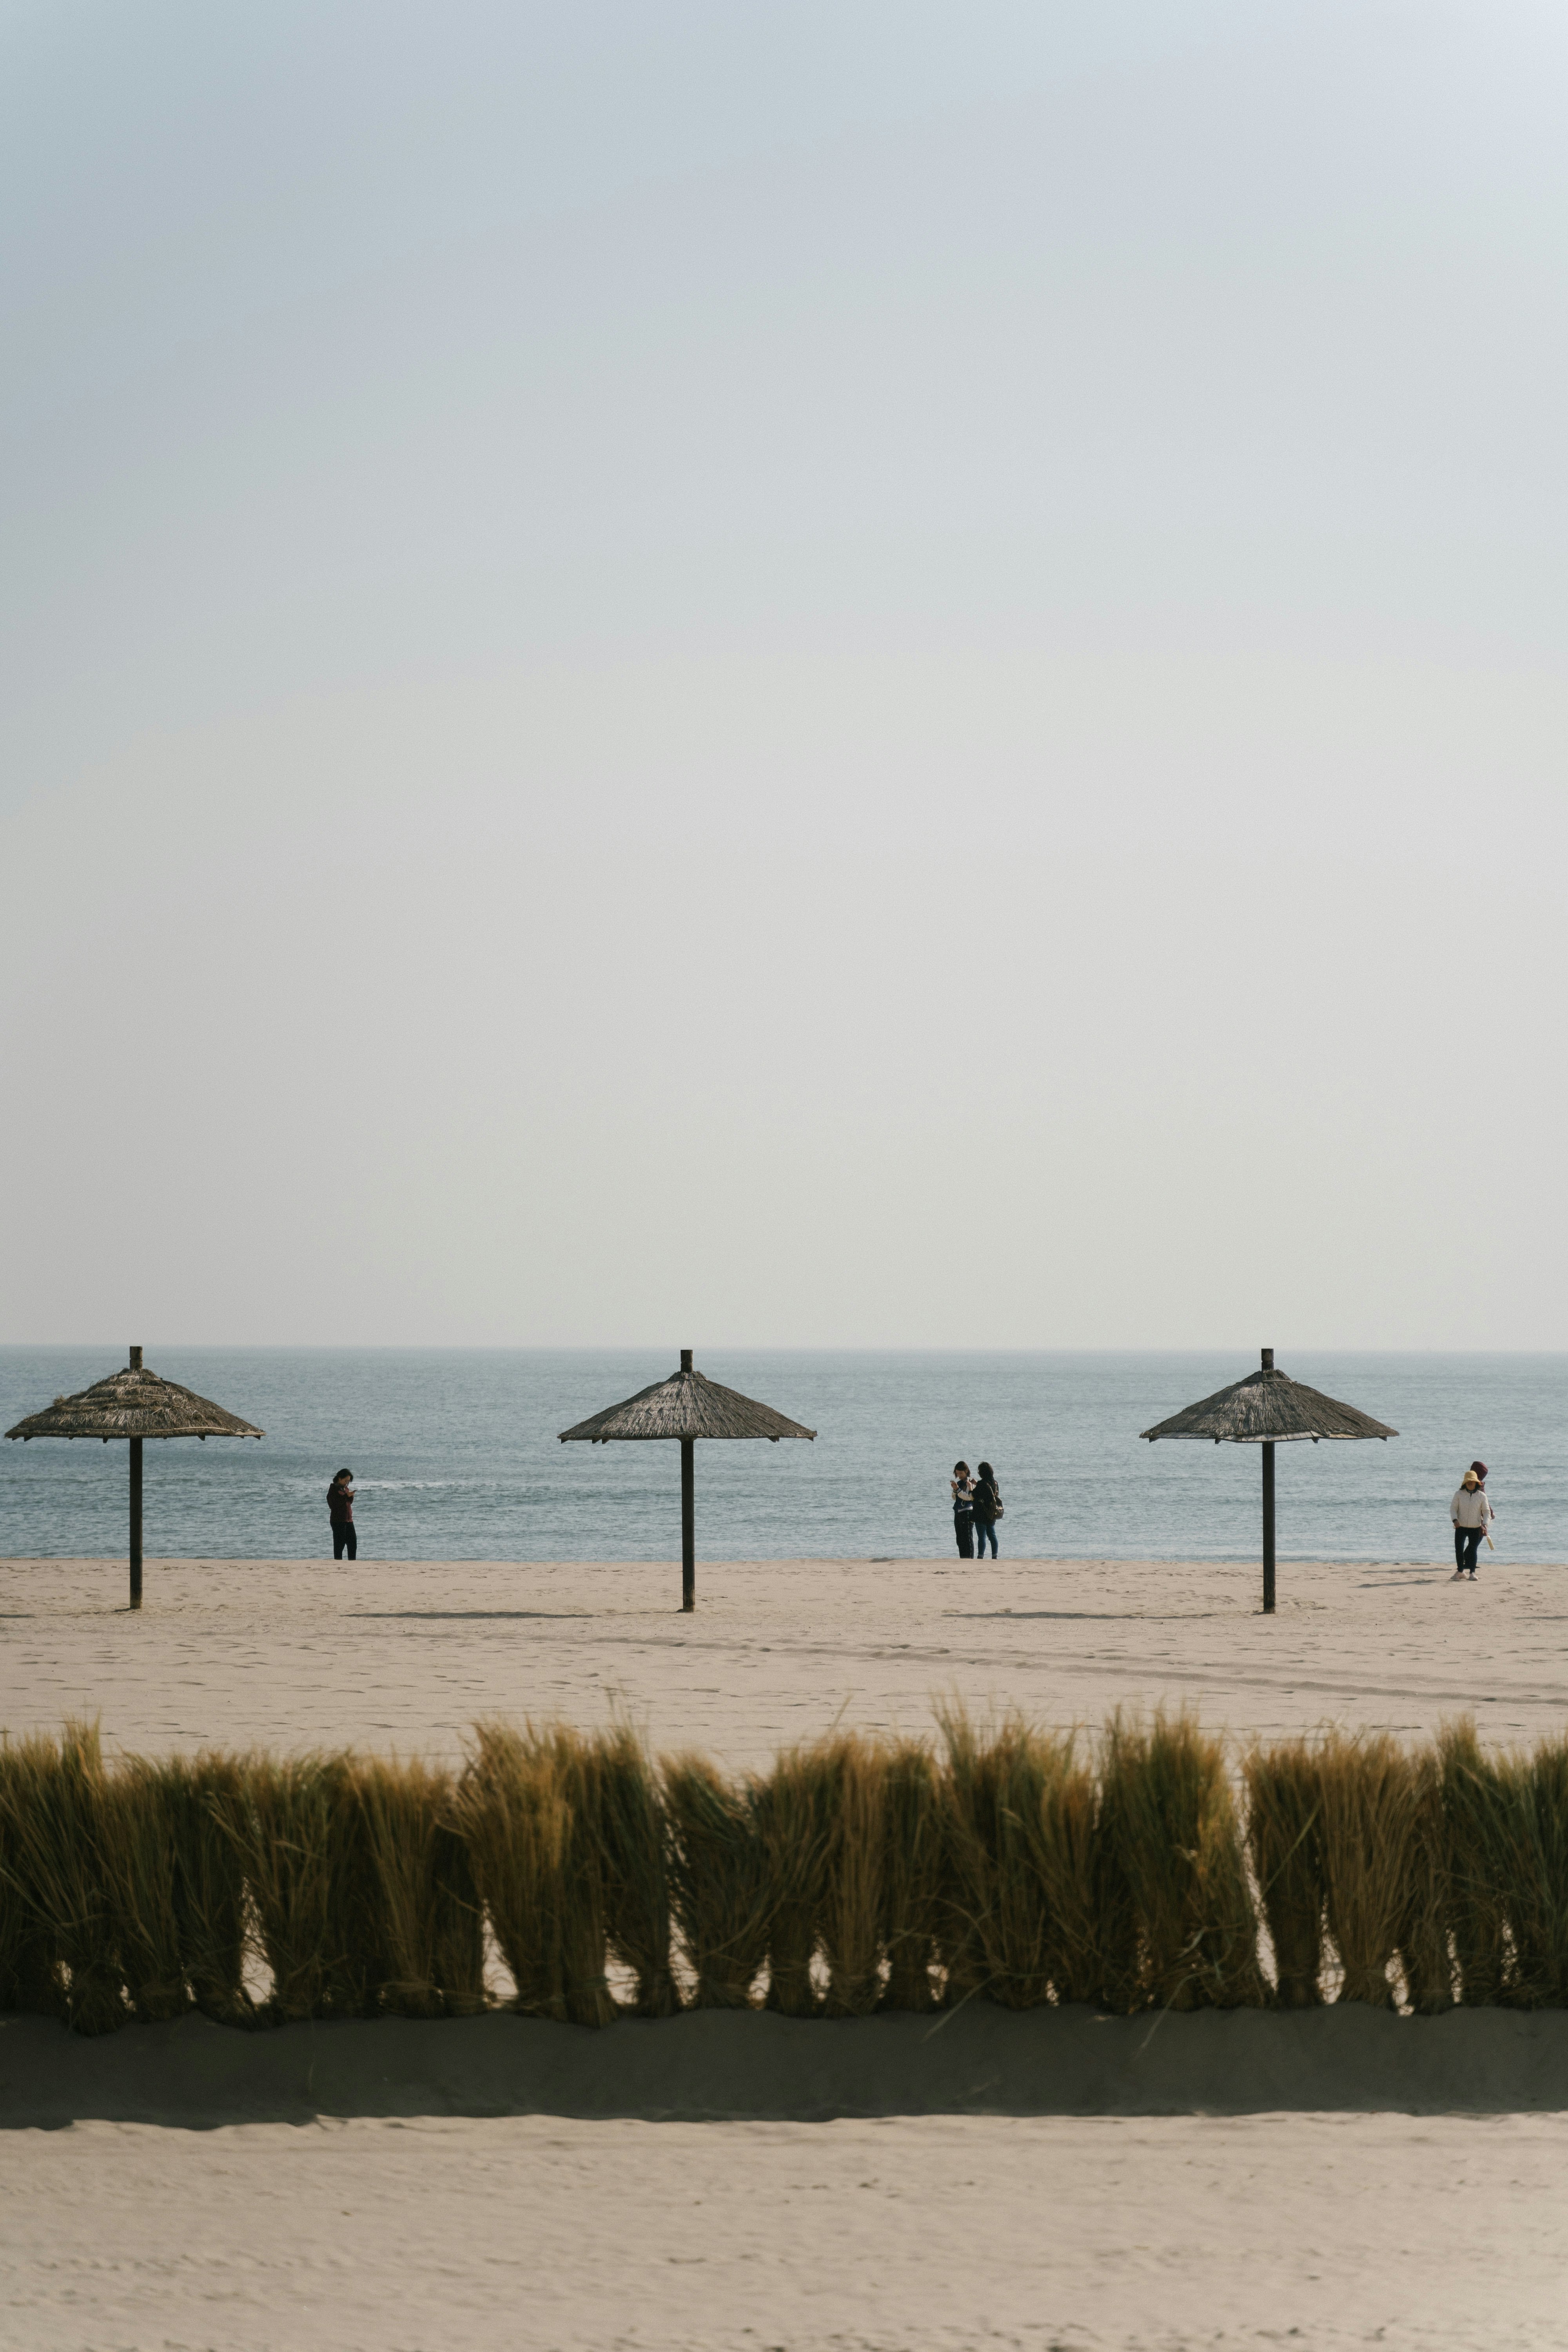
{"x": 136, "y": 1523}
{"x": 688, "y": 1523}
{"x": 1268, "y": 1531}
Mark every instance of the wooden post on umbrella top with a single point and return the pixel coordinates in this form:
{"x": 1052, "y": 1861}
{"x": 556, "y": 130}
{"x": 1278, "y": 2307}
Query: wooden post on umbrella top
{"x": 687, "y": 1510}
{"x": 136, "y": 1523}
{"x": 1268, "y": 1509}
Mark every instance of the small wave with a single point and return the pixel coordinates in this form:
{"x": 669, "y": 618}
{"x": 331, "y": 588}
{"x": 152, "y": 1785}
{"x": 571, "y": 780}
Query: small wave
{"x": 403, "y": 1486}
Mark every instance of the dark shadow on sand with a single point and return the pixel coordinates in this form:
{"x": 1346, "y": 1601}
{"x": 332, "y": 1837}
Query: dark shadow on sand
{"x": 465, "y": 1614}
{"x": 727, "y": 2065}
{"x": 1084, "y": 1616}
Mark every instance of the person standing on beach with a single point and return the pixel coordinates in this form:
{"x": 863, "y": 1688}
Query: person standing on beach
{"x": 963, "y": 1509}
{"x": 987, "y": 1510}
{"x": 1470, "y": 1511}
{"x": 341, "y": 1511}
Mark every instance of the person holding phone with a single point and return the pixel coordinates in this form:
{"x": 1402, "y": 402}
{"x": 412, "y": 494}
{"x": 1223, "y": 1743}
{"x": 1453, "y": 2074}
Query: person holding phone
{"x": 963, "y": 1510}
{"x": 341, "y": 1511}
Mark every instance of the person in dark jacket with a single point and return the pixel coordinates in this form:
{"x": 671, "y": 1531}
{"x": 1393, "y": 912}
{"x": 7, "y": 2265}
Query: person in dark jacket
{"x": 987, "y": 1510}
{"x": 963, "y": 1509}
{"x": 341, "y": 1511}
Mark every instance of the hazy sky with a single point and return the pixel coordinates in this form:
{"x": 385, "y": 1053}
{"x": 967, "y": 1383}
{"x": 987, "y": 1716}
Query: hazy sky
{"x": 784, "y": 673}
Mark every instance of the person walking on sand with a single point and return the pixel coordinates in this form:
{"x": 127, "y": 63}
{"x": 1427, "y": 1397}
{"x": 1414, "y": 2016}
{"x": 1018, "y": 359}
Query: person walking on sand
{"x": 987, "y": 1510}
{"x": 963, "y": 1509}
{"x": 1470, "y": 1510}
{"x": 341, "y": 1511}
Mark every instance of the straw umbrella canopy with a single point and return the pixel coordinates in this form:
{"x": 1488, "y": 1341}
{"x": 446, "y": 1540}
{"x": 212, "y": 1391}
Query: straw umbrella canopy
{"x": 685, "y": 1406}
{"x": 1269, "y": 1409}
{"x": 133, "y": 1404}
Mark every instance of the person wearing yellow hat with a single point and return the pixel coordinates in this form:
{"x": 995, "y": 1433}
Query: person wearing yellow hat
{"x": 1469, "y": 1510}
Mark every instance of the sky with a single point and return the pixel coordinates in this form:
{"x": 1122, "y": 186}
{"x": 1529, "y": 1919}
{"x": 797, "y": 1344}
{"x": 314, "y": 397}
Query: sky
{"x": 784, "y": 675}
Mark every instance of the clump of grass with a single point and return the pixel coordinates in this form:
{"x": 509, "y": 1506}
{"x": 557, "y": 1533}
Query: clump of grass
{"x": 432, "y": 1921}
{"x": 1534, "y": 1789}
{"x": 912, "y": 1857}
{"x": 529, "y": 1807}
{"x": 1170, "y": 1819}
{"x": 1092, "y": 1932}
{"x": 722, "y": 1879}
{"x": 853, "y": 1907}
{"x": 208, "y": 1793}
{"x": 1423, "y": 1940}
{"x": 635, "y": 1863}
{"x": 145, "y": 1817}
{"x": 30, "y": 1972}
{"x": 284, "y": 1832}
{"x": 306, "y": 1846}
{"x": 1284, "y": 1834}
{"x": 1477, "y": 1840}
{"x": 1367, "y": 1827}
{"x": 1039, "y": 1885}
{"x": 55, "y": 1829}
{"x": 793, "y": 1807}
{"x": 995, "y": 1786}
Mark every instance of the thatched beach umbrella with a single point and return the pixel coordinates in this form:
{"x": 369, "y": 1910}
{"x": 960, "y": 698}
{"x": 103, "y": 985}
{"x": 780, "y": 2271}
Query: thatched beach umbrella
{"x": 1267, "y": 1409}
{"x": 133, "y": 1404}
{"x": 689, "y": 1407}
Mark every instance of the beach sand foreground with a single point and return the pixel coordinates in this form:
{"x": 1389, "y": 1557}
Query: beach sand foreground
{"x": 909, "y": 2233}
{"x": 289, "y": 1654}
{"x": 926, "y": 2235}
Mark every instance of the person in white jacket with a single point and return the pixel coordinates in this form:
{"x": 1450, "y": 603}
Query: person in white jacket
{"x": 1470, "y": 1511}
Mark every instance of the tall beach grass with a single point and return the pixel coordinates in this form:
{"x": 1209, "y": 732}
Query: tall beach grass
{"x": 1001, "y": 1860}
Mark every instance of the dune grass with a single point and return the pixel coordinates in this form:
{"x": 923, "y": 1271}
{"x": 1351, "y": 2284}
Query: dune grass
{"x": 54, "y": 1799}
{"x": 793, "y": 1809}
{"x": 1367, "y": 1826}
{"x": 722, "y": 1878}
{"x": 1532, "y": 1872}
{"x": 856, "y": 1784}
{"x": 145, "y": 1827}
{"x": 31, "y": 1896}
{"x": 206, "y": 1795}
{"x": 911, "y": 1874}
{"x": 528, "y": 1806}
{"x": 635, "y": 1865}
{"x": 995, "y": 1786}
{"x": 1004, "y": 1862}
{"x": 432, "y": 1922}
{"x": 284, "y": 1833}
{"x": 1170, "y": 1821}
{"x": 1424, "y": 1947}
{"x": 1093, "y": 1934}
{"x": 1476, "y": 1846}
{"x": 1284, "y": 1806}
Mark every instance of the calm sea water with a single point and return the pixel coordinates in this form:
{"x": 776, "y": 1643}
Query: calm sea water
{"x": 456, "y": 1457}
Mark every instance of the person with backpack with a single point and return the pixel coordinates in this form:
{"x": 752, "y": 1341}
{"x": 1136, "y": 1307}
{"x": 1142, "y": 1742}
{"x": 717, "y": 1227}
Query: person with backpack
{"x": 987, "y": 1510}
{"x": 341, "y": 1511}
{"x": 1469, "y": 1510}
{"x": 963, "y": 1509}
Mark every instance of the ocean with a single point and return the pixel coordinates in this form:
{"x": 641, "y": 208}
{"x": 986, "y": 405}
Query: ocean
{"x": 455, "y": 1456}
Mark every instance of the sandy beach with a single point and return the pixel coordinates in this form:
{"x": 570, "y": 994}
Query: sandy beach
{"x": 929, "y": 2235}
{"x": 953, "y": 2230}
{"x": 407, "y": 1655}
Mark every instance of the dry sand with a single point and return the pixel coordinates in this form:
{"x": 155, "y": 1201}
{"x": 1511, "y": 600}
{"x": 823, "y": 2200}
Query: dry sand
{"x": 906, "y": 2234}
{"x": 287, "y": 1653}
{"x": 539, "y": 2235}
